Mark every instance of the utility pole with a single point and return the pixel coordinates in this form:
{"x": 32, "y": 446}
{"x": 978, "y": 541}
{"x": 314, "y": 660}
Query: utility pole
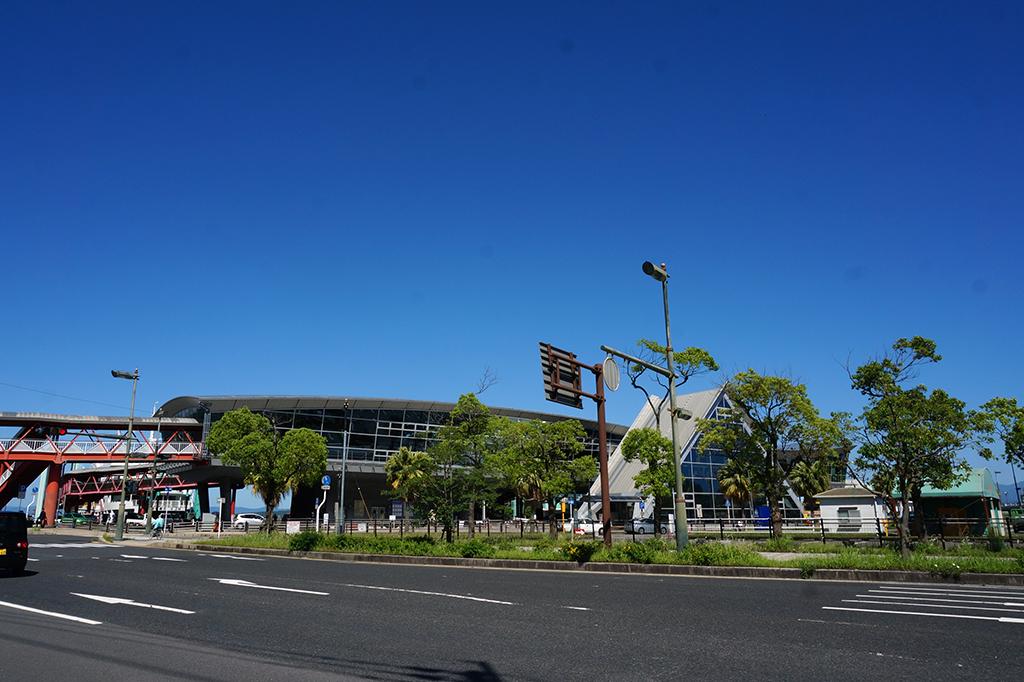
{"x": 134, "y": 377}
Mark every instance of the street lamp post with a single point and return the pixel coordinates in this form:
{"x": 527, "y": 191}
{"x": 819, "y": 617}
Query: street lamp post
{"x": 660, "y": 273}
{"x": 134, "y": 377}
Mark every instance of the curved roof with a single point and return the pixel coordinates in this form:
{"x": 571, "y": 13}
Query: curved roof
{"x": 225, "y": 403}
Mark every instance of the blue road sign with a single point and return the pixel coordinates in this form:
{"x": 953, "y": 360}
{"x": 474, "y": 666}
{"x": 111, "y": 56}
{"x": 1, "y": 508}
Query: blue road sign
{"x": 35, "y": 490}
{"x": 326, "y": 480}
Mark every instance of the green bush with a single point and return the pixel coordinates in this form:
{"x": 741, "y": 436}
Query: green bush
{"x": 581, "y": 551}
{"x": 779, "y": 544}
{"x": 643, "y": 552}
{"x": 304, "y": 542}
{"x": 718, "y": 554}
{"x": 474, "y": 548}
{"x": 995, "y": 540}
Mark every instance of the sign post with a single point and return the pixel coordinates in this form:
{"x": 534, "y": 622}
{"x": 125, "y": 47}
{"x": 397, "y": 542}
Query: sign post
{"x": 563, "y": 381}
{"x": 325, "y": 485}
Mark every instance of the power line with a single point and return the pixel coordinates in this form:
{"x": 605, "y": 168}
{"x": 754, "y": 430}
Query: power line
{"x": 60, "y": 395}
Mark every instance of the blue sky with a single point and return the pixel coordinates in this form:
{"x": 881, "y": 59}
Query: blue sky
{"x": 384, "y": 198}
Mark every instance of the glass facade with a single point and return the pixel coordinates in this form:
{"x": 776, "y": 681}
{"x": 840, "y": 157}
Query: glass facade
{"x": 375, "y": 434}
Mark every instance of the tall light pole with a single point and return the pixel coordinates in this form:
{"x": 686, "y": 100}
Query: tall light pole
{"x": 134, "y": 377}
{"x": 660, "y": 273}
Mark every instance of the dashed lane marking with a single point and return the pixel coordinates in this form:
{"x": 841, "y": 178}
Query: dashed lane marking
{"x": 431, "y": 594}
{"x": 52, "y": 614}
{"x": 891, "y": 595}
{"x": 236, "y": 558}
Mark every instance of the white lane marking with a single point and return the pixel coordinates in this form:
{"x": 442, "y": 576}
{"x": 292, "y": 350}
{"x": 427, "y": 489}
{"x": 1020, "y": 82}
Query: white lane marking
{"x": 167, "y": 558}
{"x": 930, "y": 606}
{"x": 952, "y": 601}
{"x": 60, "y": 556}
{"x": 130, "y": 602}
{"x": 237, "y": 558}
{"x": 576, "y": 608}
{"x": 52, "y": 614}
{"x": 134, "y": 556}
{"x": 33, "y": 559}
{"x": 123, "y": 561}
{"x": 1000, "y": 619}
{"x": 962, "y": 588}
{"x": 952, "y": 593}
{"x": 246, "y": 583}
{"x": 431, "y": 594}
{"x": 71, "y": 545}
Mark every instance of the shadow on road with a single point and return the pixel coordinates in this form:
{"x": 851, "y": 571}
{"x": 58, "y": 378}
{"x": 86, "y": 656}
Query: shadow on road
{"x": 7, "y": 575}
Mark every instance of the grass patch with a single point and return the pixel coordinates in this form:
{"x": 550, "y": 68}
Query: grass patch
{"x": 653, "y": 551}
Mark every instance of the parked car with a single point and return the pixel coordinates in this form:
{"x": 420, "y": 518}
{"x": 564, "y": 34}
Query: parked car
{"x": 134, "y": 520}
{"x": 13, "y": 542}
{"x": 243, "y": 521}
{"x": 582, "y": 527}
{"x": 644, "y": 526}
{"x": 74, "y": 519}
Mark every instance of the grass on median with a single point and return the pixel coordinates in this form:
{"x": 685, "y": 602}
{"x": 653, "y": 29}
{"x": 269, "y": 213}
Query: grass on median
{"x": 654, "y": 551}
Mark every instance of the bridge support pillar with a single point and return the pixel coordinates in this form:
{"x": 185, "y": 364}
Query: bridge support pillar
{"x": 203, "y": 491}
{"x": 227, "y": 491}
{"x": 51, "y": 493}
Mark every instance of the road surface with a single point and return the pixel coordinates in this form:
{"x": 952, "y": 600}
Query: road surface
{"x": 91, "y": 611}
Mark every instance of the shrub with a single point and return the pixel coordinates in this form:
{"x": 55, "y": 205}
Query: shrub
{"x": 995, "y": 540}
{"x": 779, "y": 544}
{"x": 303, "y": 542}
{"x": 643, "y": 552}
{"x": 581, "y": 551}
{"x": 474, "y": 548}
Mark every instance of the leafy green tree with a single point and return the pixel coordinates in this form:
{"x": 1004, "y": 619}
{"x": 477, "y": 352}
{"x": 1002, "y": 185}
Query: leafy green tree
{"x": 272, "y": 462}
{"x": 1003, "y": 418}
{"x": 657, "y": 478}
{"x": 689, "y": 362}
{"x": 472, "y": 433}
{"x": 736, "y": 481}
{"x": 544, "y": 461}
{"x": 809, "y": 478}
{"x": 909, "y": 436}
{"x": 404, "y": 471}
{"x": 772, "y": 415}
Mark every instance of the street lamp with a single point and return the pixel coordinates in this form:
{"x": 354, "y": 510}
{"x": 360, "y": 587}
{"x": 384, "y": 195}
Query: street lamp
{"x": 134, "y": 378}
{"x": 660, "y": 274}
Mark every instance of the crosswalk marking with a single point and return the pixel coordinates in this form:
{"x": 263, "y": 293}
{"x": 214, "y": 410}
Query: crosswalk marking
{"x": 1000, "y": 619}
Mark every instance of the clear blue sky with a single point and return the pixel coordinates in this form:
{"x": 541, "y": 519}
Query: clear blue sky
{"x": 384, "y": 198}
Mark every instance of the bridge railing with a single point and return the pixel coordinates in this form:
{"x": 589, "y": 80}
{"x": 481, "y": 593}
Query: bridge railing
{"x": 98, "y": 448}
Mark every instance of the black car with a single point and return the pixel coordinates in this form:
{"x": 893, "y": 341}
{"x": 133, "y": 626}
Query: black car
{"x": 13, "y": 542}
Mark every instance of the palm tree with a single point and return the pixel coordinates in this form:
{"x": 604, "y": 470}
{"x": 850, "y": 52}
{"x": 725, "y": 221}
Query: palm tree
{"x": 736, "y": 483}
{"x": 810, "y": 478}
{"x": 404, "y": 470}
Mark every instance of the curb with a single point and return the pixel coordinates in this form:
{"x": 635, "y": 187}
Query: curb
{"x": 1003, "y": 579}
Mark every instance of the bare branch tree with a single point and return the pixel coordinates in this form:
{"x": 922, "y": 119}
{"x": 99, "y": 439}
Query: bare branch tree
{"x": 486, "y": 380}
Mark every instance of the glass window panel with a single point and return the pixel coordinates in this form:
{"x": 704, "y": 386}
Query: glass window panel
{"x": 438, "y": 418}
{"x": 392, "y": 415}
{"x": 309, "y": 420}
{"x": 364, "y": 426}
{"x": 360, "y": 440}
{"x": 364, "y": 414}
{"x": 335, "y": 421}
{"x": 388, "y": 443}
{"x": 416, "y": 416}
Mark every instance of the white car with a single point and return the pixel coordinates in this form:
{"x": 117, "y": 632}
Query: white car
{"x": 644, "y": 526}
{"x": 251, "y": 520}
{"x": 582, "y": 527}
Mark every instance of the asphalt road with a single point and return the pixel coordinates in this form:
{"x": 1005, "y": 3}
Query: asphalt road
{"x": 220, "y": 620}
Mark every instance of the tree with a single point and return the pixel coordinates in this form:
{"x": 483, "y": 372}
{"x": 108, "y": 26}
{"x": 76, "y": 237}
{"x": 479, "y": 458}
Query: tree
{"x": 736, "y": 481}
{"x": 544, "y": 461}
{"x": 809, "y": 478}
{"x": 657, "y": 479}
{"x": 1003, "y": 418}
{"x": 470, "y": 435}
{"x": 689, "y": 362}
{"x": 909, "y": 437}
{"x": 271, "y": 462}
{"x": 404, "y": 471}
{"x": 772, "y": 416}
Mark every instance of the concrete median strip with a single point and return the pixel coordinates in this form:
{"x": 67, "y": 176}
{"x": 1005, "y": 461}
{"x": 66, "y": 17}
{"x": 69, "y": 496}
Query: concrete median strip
{"x": 775, "y": 573}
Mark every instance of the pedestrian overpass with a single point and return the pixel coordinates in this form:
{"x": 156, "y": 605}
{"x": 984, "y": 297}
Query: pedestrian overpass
{"x": 45, "y": 442}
